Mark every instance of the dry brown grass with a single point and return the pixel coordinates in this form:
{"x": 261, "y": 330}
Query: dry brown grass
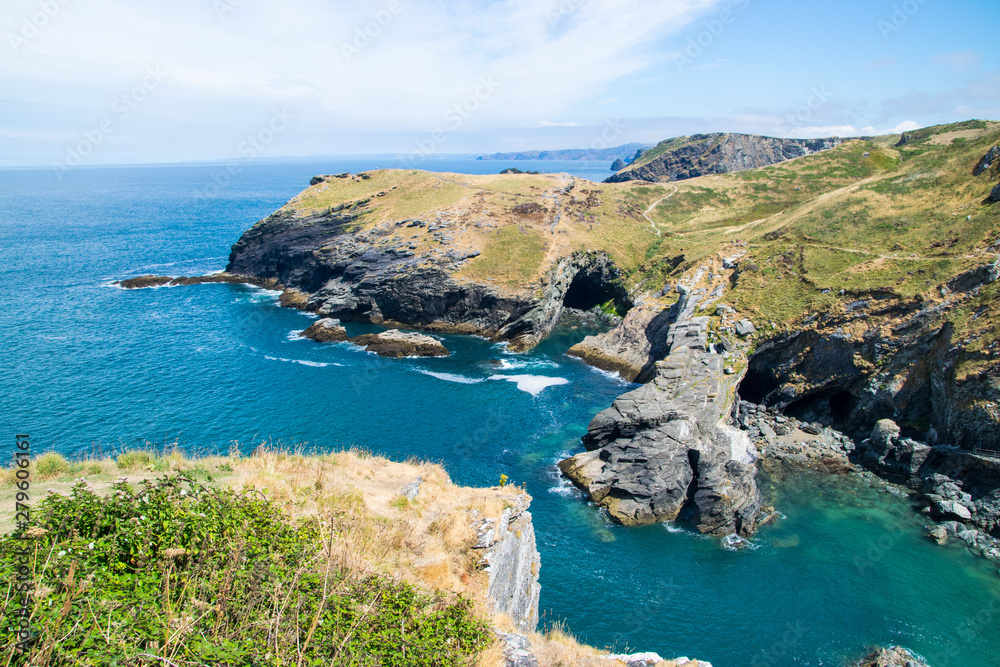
{"x": 427, "y": 541}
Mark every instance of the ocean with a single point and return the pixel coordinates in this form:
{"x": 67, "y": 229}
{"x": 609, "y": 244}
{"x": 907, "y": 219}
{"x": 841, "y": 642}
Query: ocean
{"x": 90, "y": 368}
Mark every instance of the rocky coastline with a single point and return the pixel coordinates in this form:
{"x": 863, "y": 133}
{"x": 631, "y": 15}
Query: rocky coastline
{"x": 682, "y": 158}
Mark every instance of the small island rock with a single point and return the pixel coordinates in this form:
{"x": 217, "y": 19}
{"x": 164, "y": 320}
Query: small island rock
{"x": 396, "y": 344}
{"x": 326, "y": 330}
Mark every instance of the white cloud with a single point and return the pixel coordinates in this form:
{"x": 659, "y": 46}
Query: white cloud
{"x": 410, "y": 68}
{"x": 959, "y": 60}
{"x": 905, "y": 126}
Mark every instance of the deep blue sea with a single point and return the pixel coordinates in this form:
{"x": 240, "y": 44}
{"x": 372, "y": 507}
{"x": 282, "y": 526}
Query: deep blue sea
{"x": 91, "y": 368}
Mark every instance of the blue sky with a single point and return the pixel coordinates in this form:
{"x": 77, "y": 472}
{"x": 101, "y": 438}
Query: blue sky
{"x": 116, "y": 81}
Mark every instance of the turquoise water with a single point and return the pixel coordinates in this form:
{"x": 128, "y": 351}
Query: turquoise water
{"x": 91, "y": 368}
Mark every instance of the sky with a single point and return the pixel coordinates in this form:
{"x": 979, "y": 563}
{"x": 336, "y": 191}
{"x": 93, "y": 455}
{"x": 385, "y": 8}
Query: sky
{"x": 88, "y": 82}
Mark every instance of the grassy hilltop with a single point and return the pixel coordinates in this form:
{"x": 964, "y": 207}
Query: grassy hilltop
{"x": 866, "y": 217}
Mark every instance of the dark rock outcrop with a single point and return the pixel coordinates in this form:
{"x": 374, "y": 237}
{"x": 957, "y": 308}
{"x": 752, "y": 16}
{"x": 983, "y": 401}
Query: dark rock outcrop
{"x": 618, "y": 165}
{"x": 891, "y": 457}
{"x": 633, "y": 347}
{"x": 970, "y": 280}
{"x": 665, "y": 450}
{"x": 987, "y": 161}
{"x": 995, "y": 194}
{"x": 719, "y": 153}
{"x": 906, "y": 373}
{"x": 225, "y": 277}
{"x": 360, "y": 277}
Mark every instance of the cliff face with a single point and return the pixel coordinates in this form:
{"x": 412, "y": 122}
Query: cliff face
{"x": 407, "y": 273}
{"x": 902, "y": 365}
{"x": 513, "y": 564}
{"x": 667, "y": 450}
{"x": 702, "y": 154}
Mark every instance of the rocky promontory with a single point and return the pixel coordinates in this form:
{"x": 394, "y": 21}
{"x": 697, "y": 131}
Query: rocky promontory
{"x": 720, "y": 153}
{"x": 666, "y": 450}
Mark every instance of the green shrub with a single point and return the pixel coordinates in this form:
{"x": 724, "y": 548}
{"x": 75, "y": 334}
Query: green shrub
{"x": 51, "y": 464}
{"x": 173, "y": 572}
{"x": 135, "y": 459}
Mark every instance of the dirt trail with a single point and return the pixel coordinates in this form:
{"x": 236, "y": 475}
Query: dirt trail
{"x": 654, "y": 205}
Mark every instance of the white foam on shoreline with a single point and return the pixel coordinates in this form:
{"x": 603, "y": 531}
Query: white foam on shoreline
{"x": 611, "y": 375}
{"x": 532, "y": 384}
{"x": 451, "y": 377}
{"x": 513, "y": 364}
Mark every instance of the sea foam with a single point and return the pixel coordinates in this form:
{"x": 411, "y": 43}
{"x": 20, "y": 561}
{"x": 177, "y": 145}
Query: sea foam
{"x": 533, "y": 384}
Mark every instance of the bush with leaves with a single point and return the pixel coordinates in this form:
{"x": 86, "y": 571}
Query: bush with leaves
{"x": 173, "y": 572}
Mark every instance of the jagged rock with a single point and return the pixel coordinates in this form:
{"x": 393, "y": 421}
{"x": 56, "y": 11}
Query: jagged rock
{"x": 995, "y": 194}
{"x": 951, "y": 509}
{"x": 411, "y": 490}
{"x": 517, "y": 650}
{"x": 513, "y": 564}
{"x": 325, "y": 330}
{"x": 396, "y": 344}
{"x": 700, "y": 154}
{"x": 665, "y": 448}
{"x": 316, "y": 180}
{"x": 647, "y": 659}
{"x": 897, "y": 459}
{"x": 938, "y": 533}
{"x": 745, "y": 328}
{"x": 907, "y": 373}
{"x": 983, "y": 275}
{"x": 633, "y": 347}
{"x": 144, "y": 281}
{"x": 348, "y": 277}
{"x": 894, "y": 656}
{"x": 986, "y": 161}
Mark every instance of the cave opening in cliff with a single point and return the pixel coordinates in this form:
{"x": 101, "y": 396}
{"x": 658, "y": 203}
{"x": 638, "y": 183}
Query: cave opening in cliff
{"x": 831, "y": 407}
{"x": 594, "y": 288}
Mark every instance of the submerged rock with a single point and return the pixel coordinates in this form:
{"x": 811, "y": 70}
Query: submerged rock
{"x": 396, "y": 344}
{"x": 894, "y": 656}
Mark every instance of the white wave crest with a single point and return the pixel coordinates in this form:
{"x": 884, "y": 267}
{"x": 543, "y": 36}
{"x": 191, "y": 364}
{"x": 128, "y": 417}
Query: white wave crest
{"x": 533, "y": 384}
